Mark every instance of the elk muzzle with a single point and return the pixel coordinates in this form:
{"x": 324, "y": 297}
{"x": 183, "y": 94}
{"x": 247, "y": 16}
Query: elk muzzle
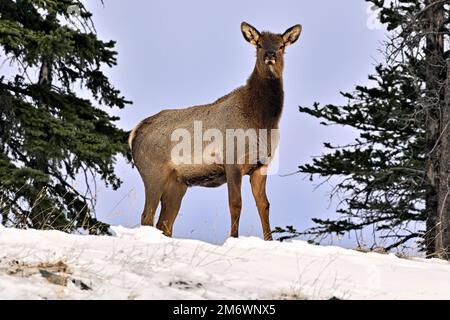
{"x": 270, "y": 58}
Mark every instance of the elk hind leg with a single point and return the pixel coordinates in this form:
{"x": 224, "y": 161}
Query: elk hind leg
{"x": 170, "y": 205}
{"x": 154, "y": 186}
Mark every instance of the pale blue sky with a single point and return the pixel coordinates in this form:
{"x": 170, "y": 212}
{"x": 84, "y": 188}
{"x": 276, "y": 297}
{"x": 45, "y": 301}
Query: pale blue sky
{"x": 181, "y": 53}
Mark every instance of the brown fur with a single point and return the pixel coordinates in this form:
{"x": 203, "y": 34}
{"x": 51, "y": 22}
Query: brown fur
{"x": 257, "y": 105}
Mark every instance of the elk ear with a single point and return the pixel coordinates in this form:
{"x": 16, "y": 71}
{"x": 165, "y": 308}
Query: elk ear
{"x": 292, "y": 34}
{"x": 250, "y": 33}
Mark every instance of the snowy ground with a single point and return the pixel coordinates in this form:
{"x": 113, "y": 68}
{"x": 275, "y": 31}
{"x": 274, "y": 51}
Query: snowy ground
{"x": 143, "y": 264}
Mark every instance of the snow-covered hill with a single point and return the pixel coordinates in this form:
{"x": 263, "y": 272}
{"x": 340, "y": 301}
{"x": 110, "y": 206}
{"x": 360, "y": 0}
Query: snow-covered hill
{"x": 143, "y": 264}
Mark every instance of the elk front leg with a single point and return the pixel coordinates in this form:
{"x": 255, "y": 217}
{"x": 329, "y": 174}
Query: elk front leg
{"x": 234, "y": 181}
{"x": 258, "y": 182}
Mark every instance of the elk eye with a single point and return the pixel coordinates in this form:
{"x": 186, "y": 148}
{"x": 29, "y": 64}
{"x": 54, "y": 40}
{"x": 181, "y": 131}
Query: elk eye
{"x": 281, "y": 47}
{"x": 259, "y": 46}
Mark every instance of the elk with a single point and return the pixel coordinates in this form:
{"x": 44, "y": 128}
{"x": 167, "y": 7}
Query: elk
{"x": 256, "y": 105}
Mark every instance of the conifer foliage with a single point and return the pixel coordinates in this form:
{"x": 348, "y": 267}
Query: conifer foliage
{"x": 49, "y": 135}
{"x": 395, "y": 177}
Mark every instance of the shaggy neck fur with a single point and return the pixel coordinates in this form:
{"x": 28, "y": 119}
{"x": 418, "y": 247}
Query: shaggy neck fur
{"x": 264, "y": 99}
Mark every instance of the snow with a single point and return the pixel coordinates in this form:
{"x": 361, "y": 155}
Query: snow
{"x": 141, "y": 263}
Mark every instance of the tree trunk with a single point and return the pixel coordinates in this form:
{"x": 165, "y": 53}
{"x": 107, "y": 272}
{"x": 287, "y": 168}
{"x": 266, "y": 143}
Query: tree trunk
{"x": 438, "y": 136}
{"x": 443, "y": 221}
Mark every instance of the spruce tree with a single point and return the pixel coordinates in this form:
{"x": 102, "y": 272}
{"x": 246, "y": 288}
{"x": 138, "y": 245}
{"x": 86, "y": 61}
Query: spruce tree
{"x": 50, "y": 136}
{"x": 394, "y": 178}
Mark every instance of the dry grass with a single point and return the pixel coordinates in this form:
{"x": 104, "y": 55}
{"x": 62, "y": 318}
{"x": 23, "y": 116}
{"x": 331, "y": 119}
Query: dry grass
{"x": 23, "y": 269}
{"x": 57, "y": 273}
{"x": 292, "y": 296}
{"x": 365, "y": 249}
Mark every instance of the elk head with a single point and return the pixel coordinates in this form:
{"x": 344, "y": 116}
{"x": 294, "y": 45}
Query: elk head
{"x": 270, "y": 48}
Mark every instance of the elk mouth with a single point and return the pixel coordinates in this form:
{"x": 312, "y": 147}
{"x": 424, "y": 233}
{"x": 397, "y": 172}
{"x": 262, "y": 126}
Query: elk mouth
{"x": 270, "y": 62}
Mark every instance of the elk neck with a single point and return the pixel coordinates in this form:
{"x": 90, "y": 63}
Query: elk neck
{"x": 264, "y": 99}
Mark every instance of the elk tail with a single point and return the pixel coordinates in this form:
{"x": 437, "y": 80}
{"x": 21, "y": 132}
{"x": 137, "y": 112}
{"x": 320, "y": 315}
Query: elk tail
{"x": 133, "y": 134}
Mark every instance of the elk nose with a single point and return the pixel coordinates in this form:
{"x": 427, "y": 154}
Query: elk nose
{"x": 270, "y": 55}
